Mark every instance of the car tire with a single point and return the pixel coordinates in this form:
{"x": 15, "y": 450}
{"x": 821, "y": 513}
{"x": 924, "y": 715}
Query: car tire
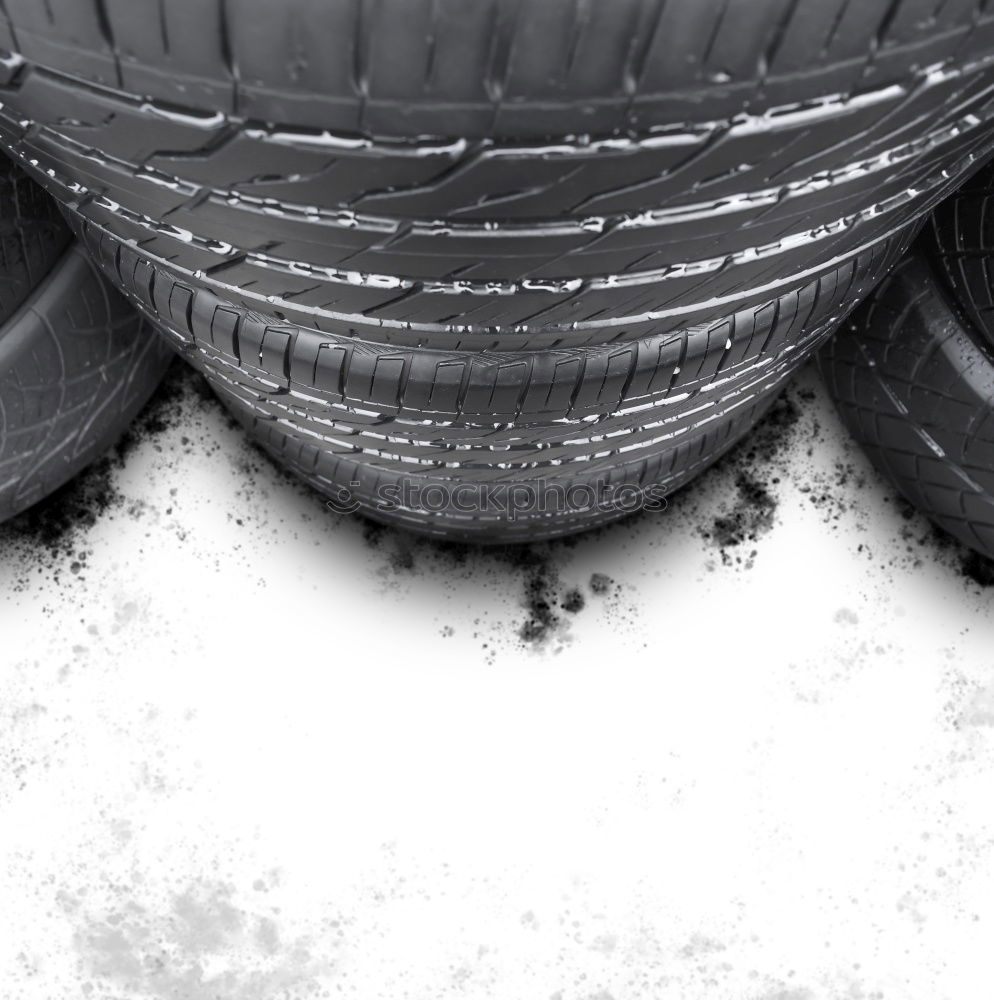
{"x": 76, "y": 363}
{"x": 528, "y": 248}
{"x": 913, "y": 380}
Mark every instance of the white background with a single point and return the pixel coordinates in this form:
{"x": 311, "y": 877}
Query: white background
{"x": 248, "y": 752}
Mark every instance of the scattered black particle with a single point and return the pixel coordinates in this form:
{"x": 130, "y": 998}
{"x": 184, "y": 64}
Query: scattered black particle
{"x": 905, "y": 509}
{"x": 752, "y": 516}
{"x": 925, "y": 542}
{"x": 573, "y": 601}
{"x": 55, "y": 523}
{"x": 372, "y": 533}
{"x": 536, "y": 571}
{"x": 539, "y": 597}
{"x": 402, "y": 560}
{"x": 978, "y": 568}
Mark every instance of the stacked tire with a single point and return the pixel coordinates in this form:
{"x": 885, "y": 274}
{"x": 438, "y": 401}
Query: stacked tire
{"x": 558, "y": 253}
{"x": 913, "y": 374}
{"x": 76, "y": 362}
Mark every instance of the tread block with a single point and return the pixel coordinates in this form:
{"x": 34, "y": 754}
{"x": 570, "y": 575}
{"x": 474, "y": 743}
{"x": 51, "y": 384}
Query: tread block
{"x": 224, "y": 332}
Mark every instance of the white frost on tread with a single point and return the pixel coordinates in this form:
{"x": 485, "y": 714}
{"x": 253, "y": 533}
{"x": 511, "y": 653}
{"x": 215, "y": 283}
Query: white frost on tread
{"x": 726, "y": 205}
{"x": 330, "y": 140}
{"x": 567, "y": 286}
{"x": 194, "y": 119}
{"x": 800, "y": 114}
{"x": 794, "y": 278}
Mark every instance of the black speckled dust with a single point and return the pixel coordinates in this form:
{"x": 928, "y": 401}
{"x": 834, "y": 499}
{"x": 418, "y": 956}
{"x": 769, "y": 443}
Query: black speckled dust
{"x": 549, "y": 600}
{"x": 731, "y": 509}
{"x": 49, "y": 541}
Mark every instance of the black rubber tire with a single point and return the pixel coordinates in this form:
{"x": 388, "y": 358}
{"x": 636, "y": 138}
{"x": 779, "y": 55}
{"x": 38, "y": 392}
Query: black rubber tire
{"x": 914, "y": 382}
{"x": 493, "y": 243}
{"x": 364, "y": 423}
{"x": 76, "y": 365}
{"x": 492, "y": 68}
{"x": 33, "y": 235}
{"x": 518, "y": 221}
{"x": 961, "y": 244}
